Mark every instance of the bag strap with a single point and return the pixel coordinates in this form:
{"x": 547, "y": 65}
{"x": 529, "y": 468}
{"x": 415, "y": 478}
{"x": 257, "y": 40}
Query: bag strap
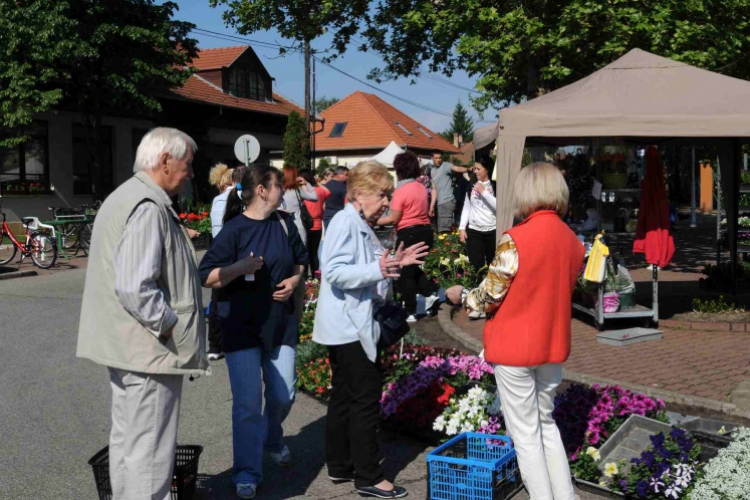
{"x": 283, "y": 224}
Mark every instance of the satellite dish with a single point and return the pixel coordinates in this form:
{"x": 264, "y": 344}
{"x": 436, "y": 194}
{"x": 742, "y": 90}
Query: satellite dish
{"x": 247, "y": 149}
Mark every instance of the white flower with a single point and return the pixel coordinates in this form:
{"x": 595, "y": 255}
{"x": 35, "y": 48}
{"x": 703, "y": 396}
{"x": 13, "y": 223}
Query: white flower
{"x": 673, "y": 492}
{"x": 439, "y": 424}
{"x": 682, "y": 481}
{"x": 451, "y": 430}
{"x": 611, "y": 469}
{"x": 726, "y": 475}
{"x": 593, "y": 453}
{"x": 461, "y": 260}
{"x": 656, "y": 484}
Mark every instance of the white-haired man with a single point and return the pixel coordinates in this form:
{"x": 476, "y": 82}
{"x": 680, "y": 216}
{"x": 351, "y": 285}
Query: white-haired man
{"x": 141, "y": 314}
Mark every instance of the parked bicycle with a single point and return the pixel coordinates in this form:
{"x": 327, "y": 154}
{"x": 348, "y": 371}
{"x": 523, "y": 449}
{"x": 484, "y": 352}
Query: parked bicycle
{"x": 39, "y": 244}
{"x": 76, "y": 233}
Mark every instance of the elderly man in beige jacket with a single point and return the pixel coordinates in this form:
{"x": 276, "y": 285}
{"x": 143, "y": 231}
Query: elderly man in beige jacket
{"x": 142, "y": 315}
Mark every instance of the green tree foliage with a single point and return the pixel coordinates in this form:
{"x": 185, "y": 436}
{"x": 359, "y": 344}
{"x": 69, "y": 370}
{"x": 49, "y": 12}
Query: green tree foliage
{"x": 296, "y": 142}
{"x": 518, "y": 50}
{"x": 325, "y": 103}
{"x": 461, "y": 123}
{"x": 323, "y": 165}
{"x": 93, "y": 56}
{"x": 299, "y": 20}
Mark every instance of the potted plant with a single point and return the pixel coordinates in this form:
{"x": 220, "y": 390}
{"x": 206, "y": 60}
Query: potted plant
{"x": 200, "y": 222}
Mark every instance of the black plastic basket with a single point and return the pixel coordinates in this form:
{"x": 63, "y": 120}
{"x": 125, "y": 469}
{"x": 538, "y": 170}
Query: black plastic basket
{"x": 183, "y": 482}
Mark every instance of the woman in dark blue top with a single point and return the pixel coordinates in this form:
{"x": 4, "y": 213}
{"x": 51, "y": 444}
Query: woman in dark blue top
{"x": 255, "y": 262}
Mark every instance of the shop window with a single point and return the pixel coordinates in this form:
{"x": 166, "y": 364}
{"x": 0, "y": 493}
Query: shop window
{"x": 84, "y": 151}
{"x": 24, "y": 170}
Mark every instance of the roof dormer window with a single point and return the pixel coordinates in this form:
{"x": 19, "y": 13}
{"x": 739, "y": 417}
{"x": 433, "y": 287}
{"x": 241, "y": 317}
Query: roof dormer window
{"x": 243, "y": 82}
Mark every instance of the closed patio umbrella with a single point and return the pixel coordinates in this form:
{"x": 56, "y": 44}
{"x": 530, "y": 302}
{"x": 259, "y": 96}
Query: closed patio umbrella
{"x": 653, "y": 235}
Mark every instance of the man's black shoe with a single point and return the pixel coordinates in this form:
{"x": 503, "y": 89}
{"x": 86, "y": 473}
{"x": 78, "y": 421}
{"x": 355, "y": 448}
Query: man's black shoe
{"x": 372, "y": 491}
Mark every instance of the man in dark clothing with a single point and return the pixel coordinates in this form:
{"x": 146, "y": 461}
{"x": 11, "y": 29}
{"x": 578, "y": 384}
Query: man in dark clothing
{"x": 337, "y": 199}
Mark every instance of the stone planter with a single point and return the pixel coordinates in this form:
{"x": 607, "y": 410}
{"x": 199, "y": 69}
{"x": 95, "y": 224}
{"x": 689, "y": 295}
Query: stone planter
{"x": 601, "y": 491}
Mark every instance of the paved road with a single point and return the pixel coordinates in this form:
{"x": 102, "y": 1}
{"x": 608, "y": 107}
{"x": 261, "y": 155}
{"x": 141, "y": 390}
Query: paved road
{"x": 55, "y": 412}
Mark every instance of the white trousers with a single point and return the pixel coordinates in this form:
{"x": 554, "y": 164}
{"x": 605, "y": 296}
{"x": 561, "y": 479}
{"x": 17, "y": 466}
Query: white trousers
{"x": 527, "y": 395}
{"x": 145, "y": 410}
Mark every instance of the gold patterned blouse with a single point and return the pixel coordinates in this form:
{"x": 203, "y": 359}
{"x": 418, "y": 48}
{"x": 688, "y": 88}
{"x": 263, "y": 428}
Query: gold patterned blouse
{"x": 488, "y": 296}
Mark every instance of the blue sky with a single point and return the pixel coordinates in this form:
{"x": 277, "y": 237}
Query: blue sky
{"x": 289, "y": 71}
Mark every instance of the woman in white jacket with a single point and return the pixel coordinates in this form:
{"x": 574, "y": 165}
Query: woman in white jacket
{"x": 478, "y": 218}
{"x": 479, "y": 221}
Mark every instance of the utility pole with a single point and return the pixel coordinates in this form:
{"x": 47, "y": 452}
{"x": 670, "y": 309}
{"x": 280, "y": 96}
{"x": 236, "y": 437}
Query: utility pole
{"x": 307, "y": 94}
{"x": 313, "y": 117}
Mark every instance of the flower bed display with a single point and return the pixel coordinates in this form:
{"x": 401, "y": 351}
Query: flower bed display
{"x": 435, "y": 393}
{"x": 666, "y": 470}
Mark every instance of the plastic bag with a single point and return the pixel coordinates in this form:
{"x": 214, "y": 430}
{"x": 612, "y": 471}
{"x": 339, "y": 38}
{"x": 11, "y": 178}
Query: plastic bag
{"x": 596, "y": 267}
{"x": 625, "y": 283}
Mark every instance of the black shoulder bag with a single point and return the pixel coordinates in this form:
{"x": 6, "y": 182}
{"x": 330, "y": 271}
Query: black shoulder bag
{"x": 393, "y": 326}
{"x": 304, "y": 213}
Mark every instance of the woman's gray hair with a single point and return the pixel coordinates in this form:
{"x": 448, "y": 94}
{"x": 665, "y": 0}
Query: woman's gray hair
{"x": 159, "y": 141}
{"x": 540, "y": 186}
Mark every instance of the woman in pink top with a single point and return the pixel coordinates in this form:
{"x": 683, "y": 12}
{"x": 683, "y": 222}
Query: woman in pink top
{"x": 316, "y": 212}
{"x": 409, "y": 212}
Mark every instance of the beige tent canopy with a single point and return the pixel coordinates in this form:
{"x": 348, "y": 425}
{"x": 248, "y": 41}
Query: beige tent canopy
{"x": 642, "y": 98}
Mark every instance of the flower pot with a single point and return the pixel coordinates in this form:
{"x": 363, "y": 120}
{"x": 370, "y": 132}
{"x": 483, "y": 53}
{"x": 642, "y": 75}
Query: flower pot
{"x": 627, "y": 300}
{"x": 611, "y": 302}
{"x": 202, "y": 242}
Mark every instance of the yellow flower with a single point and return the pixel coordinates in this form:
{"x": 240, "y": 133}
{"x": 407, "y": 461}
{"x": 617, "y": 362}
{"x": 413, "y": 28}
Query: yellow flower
{"x": 441, "y": 237}
{"x": 445, "y": 262}
{"x": 723, "y": 430}
{"x": 611, "y": 469}
{"x": 593, "y": 453}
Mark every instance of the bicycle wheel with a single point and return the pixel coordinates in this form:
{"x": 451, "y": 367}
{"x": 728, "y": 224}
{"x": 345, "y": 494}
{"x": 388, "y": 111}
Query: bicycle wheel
{"x": 7, "y": 249}
{"x": 85, "y": 236}
{"x": 43, "y": 249}
{"x": 70, "y": 235}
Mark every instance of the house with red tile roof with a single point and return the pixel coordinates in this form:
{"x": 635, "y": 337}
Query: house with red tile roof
{"x": 361, "y": 125}
{"x": 230, "y": 94}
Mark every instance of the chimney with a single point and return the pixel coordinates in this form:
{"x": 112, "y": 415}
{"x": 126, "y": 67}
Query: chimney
{"x": 458, "y": 140}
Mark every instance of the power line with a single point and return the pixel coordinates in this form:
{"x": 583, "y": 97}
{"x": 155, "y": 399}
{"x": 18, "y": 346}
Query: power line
{"x": 421, "y": 106}
{"x": 273, "y": 45}
{"x": 229, "y": 37}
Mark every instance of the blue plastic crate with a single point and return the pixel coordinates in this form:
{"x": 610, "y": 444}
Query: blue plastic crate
{"x": 474, "y": 466}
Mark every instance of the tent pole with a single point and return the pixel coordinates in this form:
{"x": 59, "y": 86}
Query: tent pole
{"x": 693, "y": 219}
{"x": 737, "y": 153}
{"x": 718, "y": 211}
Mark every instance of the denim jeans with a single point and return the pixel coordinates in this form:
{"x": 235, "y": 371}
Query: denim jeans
{"x": 252, "y": 428}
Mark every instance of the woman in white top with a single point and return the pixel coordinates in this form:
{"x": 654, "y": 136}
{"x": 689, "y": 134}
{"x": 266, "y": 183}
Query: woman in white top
{"x": 220, "y": 176}
{"x": 479, "y": 218}
{"x": 297, "y": 189}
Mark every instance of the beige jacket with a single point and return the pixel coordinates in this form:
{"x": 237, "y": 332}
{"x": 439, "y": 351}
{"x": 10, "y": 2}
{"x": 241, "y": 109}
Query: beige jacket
{"x": 108, "y": 334}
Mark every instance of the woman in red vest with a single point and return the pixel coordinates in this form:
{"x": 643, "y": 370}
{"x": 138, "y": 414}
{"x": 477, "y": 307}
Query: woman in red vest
{"x": 528, "y": 293}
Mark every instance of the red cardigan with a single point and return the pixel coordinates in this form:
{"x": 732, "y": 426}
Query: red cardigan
{"x": 532, "y": 325}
